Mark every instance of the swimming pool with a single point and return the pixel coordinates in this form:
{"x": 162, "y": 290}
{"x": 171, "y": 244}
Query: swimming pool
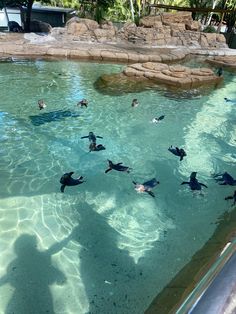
{"x": 100, "y": 247}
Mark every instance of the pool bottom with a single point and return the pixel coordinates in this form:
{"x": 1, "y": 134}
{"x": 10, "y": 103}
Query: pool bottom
{"x": 171, "y": 297}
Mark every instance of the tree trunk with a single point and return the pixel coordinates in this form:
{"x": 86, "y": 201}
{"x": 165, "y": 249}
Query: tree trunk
{"x": 132, "y": 9}
{"x": 210, "y": 17}
{"x": 28, "y": 16}
{"x": 7, "y": 17}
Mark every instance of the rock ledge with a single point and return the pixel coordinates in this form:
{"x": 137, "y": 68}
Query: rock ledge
{"x": 174, "y": 75}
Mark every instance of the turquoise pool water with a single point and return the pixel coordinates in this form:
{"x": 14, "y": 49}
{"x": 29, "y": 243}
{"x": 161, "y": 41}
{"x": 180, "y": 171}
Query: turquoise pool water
{"x": 101, "y": 247}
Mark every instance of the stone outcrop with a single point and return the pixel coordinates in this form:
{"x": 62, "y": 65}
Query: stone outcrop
{"x": 226, "y": 61}
{"x": 40, "y": 27}
{"x": 32, "y": 44}
{"x": 175, "y": 29}
{"x": 89, "y": 30}
{"x": 171, "y": 75}
{"x": 171, "y": 29}
{"x": 175, "y": 75}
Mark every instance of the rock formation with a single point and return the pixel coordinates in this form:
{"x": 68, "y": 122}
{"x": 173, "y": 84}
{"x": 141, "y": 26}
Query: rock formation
{"x": 171, "y": 29}
{"x": 171, "y": 75}
{"x": 225, "y": 61}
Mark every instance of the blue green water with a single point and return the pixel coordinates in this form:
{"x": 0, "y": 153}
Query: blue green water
{"x": 101, "y": 247}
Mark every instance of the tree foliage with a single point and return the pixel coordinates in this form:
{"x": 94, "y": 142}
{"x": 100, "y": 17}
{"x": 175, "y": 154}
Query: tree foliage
{"x": 124, "y": 10}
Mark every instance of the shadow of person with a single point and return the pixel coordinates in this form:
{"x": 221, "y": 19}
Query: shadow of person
{"x": 31, "y": 273}
{"x": 108, "y": 273}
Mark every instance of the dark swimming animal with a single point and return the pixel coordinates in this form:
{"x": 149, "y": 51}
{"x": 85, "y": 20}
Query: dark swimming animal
{"x": 228, "y": 100}
{"x": 135, "y": 103}
{"x": 93, "y": 147}
{"x": 156, "y": 120}
{"x": 117, "y": 167}
{"x": 233, "y": 197}
{"x": 193, "y": 183}
{"x": 83, "y": 103}
{"x": 219, "y": 72}
{"x": 146, "y": 186}
{"x": 52, "y": 116}
{"x": 177, "y": 151}
{"x": 41, "y": 104}
{"x": 225, "y": 178}
{"x": 92, "y": 137}
{"x": 67, "y": 180}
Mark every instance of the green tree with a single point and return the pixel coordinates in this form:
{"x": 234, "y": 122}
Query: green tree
{"x": 74, "y": 4}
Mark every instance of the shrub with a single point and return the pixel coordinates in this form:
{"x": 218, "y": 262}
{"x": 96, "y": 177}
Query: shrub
{"x": 210, "y": 29}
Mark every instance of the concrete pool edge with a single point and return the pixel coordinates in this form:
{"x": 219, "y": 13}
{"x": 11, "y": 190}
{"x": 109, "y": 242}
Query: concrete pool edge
{"x": 15, "y": 44}
{"x": 180, "y": 287}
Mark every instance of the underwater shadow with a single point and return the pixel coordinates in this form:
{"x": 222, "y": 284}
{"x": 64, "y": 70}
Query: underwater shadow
{"x": 52, "y": 116}
{"x": 108, "y": 273}
{"x": 31, "y": 273}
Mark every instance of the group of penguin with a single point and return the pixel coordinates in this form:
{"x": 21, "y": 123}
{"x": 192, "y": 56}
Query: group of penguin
{"x": 67, "y": 180}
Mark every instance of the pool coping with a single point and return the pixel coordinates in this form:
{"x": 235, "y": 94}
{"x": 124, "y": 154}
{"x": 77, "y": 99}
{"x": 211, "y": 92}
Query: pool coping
{"x": 18, "y": 44}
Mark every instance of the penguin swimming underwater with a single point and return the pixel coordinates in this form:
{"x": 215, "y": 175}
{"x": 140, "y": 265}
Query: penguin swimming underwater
{"x": 41, "y": 104}
{"x": 117, "y": 167}
{"x": 193, "y": 183}
{"x": 156, "y": 120}
{"x": 67, "y": 180}
{"x": 135, "y": 103}
{"x": 178, "y": 152}
{"x": 225, "y": 178}
{"x": 93, "y": 147}
{"x": 219, "y": 72}
{"x": 92, "y": 137}
{"x": 228, "y": 100}
{"x": 146, "y": 186}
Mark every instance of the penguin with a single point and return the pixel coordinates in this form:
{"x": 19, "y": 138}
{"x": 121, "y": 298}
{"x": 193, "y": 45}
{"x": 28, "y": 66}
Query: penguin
{"x": 228, "y": 100}
{"x": 224, "y": 178}
{"x": 219, "y": 72}
{"x": 92, "y": 137}
{"x": 67, "y": 180}
{"x": 193, "y": 183}
{"x": 135, "y": 103}
{"x": 146, "y": 186}
{"x": 93, "y": 147}
{"x": 178, "y": 152}
{"x": 117, "y": 167}
{"x": 83, "y": 103}
{"x": 156, "y": 120}
{"x": 41, "y": 104}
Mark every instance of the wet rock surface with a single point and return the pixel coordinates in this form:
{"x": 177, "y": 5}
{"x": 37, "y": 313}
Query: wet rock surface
{"x": 150, "y": 73}
{"x": 225, "y": 61}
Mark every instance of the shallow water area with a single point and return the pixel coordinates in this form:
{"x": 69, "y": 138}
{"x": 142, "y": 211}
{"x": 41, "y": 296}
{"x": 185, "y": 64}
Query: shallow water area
{"x": 101, "y": 247}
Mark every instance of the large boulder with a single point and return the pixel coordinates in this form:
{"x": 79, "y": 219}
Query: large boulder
{"x": 105, "y": 35}
{"x": 226, "y": 61}
{"x": 77, "y": 26}
{"x": 178, "y": 17}
{"x": 107, "y": 32}
{"x": 40, "y": 27}
{"x": 171, "y": 75}
{"x": 151, "y": 21}
{"x": 193, "y": 26}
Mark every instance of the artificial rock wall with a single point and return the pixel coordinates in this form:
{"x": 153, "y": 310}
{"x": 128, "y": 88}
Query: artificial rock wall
{"x": 166, "y": 29}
